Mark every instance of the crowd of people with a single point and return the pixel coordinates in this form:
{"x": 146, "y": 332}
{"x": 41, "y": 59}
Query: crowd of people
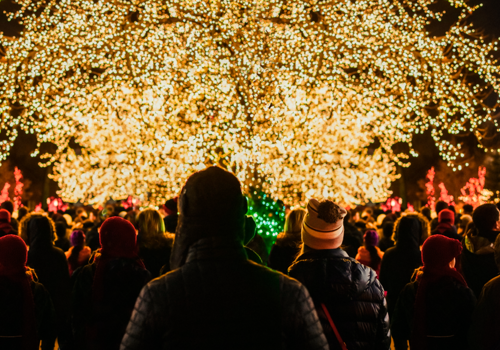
{"x": 194, "y": 274}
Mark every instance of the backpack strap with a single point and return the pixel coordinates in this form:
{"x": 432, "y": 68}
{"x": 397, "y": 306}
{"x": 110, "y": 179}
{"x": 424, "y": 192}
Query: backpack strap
{"x": 337, "y": 334}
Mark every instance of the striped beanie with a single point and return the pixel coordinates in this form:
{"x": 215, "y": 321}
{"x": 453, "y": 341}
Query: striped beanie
{"x": 320, "y": 232}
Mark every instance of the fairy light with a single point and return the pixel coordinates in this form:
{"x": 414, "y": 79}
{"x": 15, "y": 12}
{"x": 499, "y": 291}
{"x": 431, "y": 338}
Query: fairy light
{"x": 287, "y": 94}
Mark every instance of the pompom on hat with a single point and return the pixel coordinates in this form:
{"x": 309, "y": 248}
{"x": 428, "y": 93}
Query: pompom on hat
{"x": 318, "y": 233}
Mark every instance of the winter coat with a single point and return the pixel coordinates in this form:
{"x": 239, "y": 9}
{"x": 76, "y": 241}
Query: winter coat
{"x": 51, "y": 267}
{"x": 220, "y": 300}
{"x": 63, "y": 244}
{"x": 447, "y": 230}
{"x": 124, "y": 280}
{"x": 353, "y": 239}
{"x": 258, "y": 245}
{"x": 284, "y": 251}
{"x": 478, "y": 267}
{"x": 352, "y": 294}
{"x": 484, "y": 333}
{"x": 83, "y": 257}
{"x": 448, "y": 314}
{"x": 400, "y": 261}
{"x": 365, "y": 258}
{"x": 253, "y": 256}
{"x": 155, "y": 259}
{"x": 11, "y": 318}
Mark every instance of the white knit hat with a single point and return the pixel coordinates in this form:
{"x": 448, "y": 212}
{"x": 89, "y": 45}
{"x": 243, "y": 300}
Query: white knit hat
{"x": 319, "y": 234}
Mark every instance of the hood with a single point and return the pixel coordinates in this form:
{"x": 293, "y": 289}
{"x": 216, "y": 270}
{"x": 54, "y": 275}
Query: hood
{"x": 408, "y": 234}
{"x": 40, "y": 233}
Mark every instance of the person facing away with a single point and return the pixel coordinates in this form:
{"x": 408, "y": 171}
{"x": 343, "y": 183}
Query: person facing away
{"x": 79, "y": 254}
{"x": 400, "y": 261}
{"x": 478, "y": 256}
{"x": 62, "y": 241}
{"x": 154, "y": 246}
{"x": 386, "y": 241}
{"x": 51, "y": 267}
{"x": 445, "y": 226}
{"x": 369, "y": 254}
{"x": 214, "y": 297}
{"x": 287, "y": 245}
{"x": 349, "y": 290}
{"x": 484, "y": 334}
{"x": 105, "y": 291}
{"x": 353, "y": 237}
{"x": 5, "y": 226}
{"x": 440, "y": 205}
{"x": 9, "y": 206}
{"x": 250, "y": 227}
{"x": 435, "y": 311}
{"x": 27, "y": 315}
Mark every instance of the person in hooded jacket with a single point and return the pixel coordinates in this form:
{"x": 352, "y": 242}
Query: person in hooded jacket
{"x": 214, "y": 297}
{"x": 5, "y": 226}
{"x": 350, "y": 291}
{"x": 105, "y": 291}
{"x": 51, "y": 267}
{"x": 62, "y": 241}
{"x": 478, "y": 256}
{"x": 435, "y": 311}
{"x": 400, "y": 261}
{"x": 27, "y": 316}
{"x": 154, "y": 246}
{"x": 287, "y": 245}
{"x": 79, "y": 254}
{"x": 445, "y": 226}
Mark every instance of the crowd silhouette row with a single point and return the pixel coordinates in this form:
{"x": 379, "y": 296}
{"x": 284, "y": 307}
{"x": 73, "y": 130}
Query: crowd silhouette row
{"x": 194, "y": 275}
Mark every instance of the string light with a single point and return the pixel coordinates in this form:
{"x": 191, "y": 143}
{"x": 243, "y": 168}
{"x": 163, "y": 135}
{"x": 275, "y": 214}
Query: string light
{"x": 290, "y": 95}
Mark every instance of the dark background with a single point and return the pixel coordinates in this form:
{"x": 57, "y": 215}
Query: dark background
{"x": 411, "y": 185}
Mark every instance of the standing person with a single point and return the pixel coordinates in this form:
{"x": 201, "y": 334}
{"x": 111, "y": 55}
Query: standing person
{"x": 26, "y": 312}
{"x": 79, "y": 254}
{"x": 62, "y": 241}
{"x": 484, "y": 334}
{"x": 369, "y": 254}
{"x": 154, "y": 247}
{"x": 51, "y": 267}
{"x": 5, "y": 226}
{"x": 386, "y": 241}
{"x": 440, "y": 205}
{"x": 287, "y": 245}
{"x": 445, "y": 226}
{"x": 105, "y": 291}
{"x": 426, "y": 211}
{"x": 478, "y": 257}
{"x": 349, "y": 291}
{"x": 400, "y": 261}
{"x": 434, "y": 312}
{"x": 215, "y": 298}
{"x": 170, "y": 220}
{"x": 353, "y": 238}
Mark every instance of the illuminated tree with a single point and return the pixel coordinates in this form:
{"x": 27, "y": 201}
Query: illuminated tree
{"x": 290, "y": 95}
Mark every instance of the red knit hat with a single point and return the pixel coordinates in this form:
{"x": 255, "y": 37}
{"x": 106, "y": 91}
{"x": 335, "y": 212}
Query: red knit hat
{"x": 446, "y": 215}
{"x": 4, "y": 215}
{"x": 439, "y": 250}
{"x": 118, "y": 238}
{"x": 13, "y": 254}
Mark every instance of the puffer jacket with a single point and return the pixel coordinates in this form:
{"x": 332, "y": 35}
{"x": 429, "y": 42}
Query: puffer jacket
{"x": 352, "y": 294}
{"x": 220, "y": 300}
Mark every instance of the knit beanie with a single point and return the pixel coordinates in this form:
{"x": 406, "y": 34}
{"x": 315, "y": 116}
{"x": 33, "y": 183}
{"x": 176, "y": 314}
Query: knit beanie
{"x": 439, "y": 250}
{"x": 319, "y": 231}
{"x": 371, "y": 238}
{"x": 4, "y": 215}
{"x": 13, "y": 254}
{"x": 118, "y": 238}
{"x": 77, "y": 238}
{"x": 446, "y": 215}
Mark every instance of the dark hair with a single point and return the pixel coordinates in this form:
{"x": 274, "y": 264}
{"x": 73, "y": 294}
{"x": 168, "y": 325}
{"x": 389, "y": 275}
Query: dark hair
{"x": 388, "y": 229}
{"x": 426, "y": 211}
{"x": 60, "y": 229}
{"x": 441, "y": 205}
{"x": 485, "y": 217}
{"x": 73, "y": 257}
{"x": 375, "y": 259}
{"x": 329, "y": 212}
{"x": 468, "y": 208}
{"x": 8, "y": 205}
{"x": 21, "y": 213}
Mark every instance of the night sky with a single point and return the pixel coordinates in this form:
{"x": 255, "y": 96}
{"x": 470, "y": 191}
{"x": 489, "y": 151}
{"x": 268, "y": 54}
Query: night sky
{"x": 486, "y": 18}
